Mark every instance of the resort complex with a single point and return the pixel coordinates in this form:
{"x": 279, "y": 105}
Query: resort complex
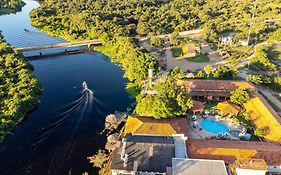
{"x": 140, "y": 87}
{"x": 211, "y": 140}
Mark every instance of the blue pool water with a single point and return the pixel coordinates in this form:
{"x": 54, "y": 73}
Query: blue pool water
{"x": 214, "y": 126}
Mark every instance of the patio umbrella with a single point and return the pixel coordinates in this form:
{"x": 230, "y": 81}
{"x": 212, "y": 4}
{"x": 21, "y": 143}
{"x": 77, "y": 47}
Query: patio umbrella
{"x": 195, "y": 124}
{"x": 194, "y": 117}
{"x": 217, "y": 117}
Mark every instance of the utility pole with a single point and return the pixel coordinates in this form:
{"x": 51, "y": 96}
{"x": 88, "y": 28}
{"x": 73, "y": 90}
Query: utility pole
{"x": 252, "y": 21}
{"x": 250, "y": 30}
{"x": 150, "y": 76}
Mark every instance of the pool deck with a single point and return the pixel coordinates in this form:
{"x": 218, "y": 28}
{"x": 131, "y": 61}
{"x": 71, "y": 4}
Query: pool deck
{"x": 200, "y": 133}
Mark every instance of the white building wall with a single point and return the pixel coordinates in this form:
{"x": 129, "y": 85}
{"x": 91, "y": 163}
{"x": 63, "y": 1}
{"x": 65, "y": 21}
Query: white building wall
{"x": 241, "y": 171}
{"x": 274, "y": 169}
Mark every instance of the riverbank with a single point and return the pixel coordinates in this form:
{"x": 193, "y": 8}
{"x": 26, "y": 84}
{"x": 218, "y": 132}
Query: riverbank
{"x": 19, "y": 90}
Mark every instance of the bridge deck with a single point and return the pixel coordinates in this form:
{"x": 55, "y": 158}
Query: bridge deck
{"x": 60, "y": 45}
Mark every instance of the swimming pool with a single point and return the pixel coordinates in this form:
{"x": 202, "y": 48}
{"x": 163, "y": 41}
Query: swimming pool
{"x": 214, "y": 126}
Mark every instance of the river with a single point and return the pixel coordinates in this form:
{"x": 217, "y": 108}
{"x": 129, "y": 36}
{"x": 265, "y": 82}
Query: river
{"x": 65, "y": 128}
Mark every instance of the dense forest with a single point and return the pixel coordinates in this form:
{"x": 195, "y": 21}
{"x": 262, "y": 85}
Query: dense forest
{"x": 10, "y": 6}
{"x": 19, "y": 89}
{"x": 79, "y": 19}
{"x": 89, "y": 19}
{"x": 133, "y": 60}
{"x": 116, "y": 22}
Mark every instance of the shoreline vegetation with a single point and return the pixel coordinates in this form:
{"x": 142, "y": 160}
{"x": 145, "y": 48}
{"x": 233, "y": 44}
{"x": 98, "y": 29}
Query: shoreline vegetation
{"x": 19, "y": 89}
{"x": 11, "y": 6}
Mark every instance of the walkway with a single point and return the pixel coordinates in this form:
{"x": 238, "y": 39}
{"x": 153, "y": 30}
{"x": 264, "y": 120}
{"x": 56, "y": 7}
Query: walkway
{"x": 269, "y": 96}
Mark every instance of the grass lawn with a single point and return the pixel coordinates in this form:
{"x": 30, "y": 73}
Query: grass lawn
{"x": 177, "y": 52}
{"x": 198, "y": 58}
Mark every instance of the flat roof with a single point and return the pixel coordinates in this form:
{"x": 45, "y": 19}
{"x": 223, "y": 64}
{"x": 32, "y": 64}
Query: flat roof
{"x": 198, "y": 166}
{"x": 151, "y": 153}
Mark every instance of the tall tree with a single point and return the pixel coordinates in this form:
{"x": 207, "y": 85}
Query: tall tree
{"x": 208, "y": 69}
{"x": 239, "y": 96}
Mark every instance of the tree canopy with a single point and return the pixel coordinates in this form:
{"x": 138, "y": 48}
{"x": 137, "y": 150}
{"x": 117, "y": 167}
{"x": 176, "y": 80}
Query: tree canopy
{"x": 224, "y": 72}
{"x": 9, "y": 6}
{"x": 80, "y": 19}
{"x": 134, "y": 61}
{"x": 208, "y": 69}
{"x": 168, "y": 100}
{"x": 239, "y": 96}
{"x": 19, "y": 89}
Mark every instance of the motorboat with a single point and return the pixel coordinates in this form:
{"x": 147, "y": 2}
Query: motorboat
{"x": 84, "y": 85}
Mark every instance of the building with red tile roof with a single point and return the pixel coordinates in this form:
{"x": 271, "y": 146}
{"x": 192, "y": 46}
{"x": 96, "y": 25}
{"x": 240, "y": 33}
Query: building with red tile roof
{"x": 213, "y": 89}
{"x": 232, "y": 150}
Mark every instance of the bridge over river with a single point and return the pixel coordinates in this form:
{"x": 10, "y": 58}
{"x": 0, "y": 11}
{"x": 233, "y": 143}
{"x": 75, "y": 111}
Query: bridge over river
{"x": 64, "y": 46}
{"x": 82, "y": 46}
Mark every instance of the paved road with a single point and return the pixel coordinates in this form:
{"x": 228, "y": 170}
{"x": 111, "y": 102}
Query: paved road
{"x": 269, "y": 95}
{"x": 190, "y": 33}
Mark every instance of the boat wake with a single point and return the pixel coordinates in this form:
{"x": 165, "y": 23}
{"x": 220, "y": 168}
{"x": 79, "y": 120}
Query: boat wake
{"x": 73, "y": 114}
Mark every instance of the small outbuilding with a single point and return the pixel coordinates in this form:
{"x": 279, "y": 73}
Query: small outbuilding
{"x": 197, "y": 107}
{"x": 190, "y": 50}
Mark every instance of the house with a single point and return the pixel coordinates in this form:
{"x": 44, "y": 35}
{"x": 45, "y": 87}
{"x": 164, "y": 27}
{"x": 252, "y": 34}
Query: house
{"x": 151, "y": 126}
{"x": 244, "y": 42}
{"x": 147, "y": 155}
{"x": 213, "y": 89}
{"x": 226, "y": 39}
{"x": 190, "y": 50}
{"x": 251, "y": 155}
